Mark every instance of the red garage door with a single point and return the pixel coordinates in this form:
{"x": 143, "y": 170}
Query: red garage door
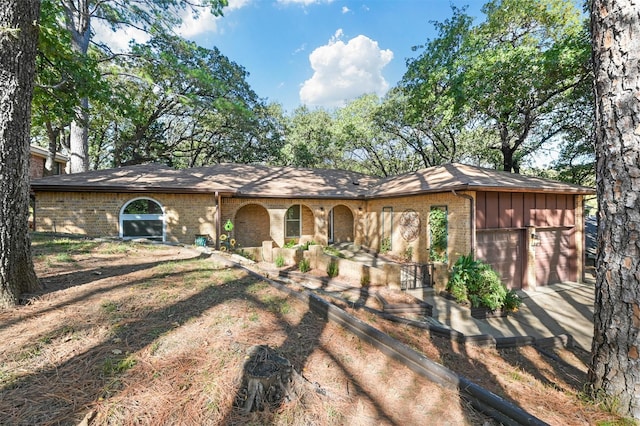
{"x": 502, "y": 249}
{"x": 556, "y": 258}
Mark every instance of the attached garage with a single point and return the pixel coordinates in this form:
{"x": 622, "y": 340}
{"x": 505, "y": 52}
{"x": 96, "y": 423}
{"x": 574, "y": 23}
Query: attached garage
{"x": 521, "y": 232}
{"x": 556, "y": 255}
{"x": 503, "y": 250}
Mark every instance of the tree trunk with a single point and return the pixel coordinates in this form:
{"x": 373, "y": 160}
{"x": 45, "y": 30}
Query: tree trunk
{"x": 78, "y": 23}
{"x": 615, "y": 364}
{"x": 18, "y": 44}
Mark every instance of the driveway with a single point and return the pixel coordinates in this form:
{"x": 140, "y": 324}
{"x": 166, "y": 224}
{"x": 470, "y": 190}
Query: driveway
{"x": 557, "y": 309}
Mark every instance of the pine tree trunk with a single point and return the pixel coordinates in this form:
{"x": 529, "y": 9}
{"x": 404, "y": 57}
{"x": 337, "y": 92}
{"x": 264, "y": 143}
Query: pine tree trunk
{"x": 615, "y": 364}
{"x": 18, "y": 44}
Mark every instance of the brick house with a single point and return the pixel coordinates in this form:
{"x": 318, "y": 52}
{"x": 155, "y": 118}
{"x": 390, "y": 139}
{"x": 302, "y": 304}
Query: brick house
{"x": 37, "y": 159}
{"x": 530, "y": 229}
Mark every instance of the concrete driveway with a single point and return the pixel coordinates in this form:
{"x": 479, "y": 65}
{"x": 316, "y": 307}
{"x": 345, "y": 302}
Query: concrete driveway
{"x": 546, "y": 312}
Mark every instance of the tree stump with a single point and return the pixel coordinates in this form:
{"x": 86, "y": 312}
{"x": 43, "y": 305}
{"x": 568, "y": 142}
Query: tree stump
{"x": 268, "y": 379}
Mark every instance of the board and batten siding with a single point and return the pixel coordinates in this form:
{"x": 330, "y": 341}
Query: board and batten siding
{"x": 506, "y": 222}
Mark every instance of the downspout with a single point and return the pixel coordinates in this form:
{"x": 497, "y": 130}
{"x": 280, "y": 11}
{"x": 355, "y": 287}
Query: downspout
{"x": 218, "y": 219}
{"x": 472, "y": 222}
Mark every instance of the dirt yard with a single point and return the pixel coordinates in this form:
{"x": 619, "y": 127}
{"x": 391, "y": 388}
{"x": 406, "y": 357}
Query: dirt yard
{"x": 128, "y": 333}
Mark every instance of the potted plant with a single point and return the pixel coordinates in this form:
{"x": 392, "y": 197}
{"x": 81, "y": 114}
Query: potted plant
{"x": 475, "y": 283}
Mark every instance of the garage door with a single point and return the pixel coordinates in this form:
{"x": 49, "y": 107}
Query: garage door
{"x": 556, "y": 259}
{"x": 503, "y": 251}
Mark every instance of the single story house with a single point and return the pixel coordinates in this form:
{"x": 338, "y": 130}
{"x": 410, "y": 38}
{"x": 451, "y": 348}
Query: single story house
{"x": 530, "y": 229}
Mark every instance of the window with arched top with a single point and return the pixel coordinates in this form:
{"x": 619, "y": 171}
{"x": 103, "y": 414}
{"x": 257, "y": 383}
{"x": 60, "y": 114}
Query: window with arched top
{"x": 142, "y": 218}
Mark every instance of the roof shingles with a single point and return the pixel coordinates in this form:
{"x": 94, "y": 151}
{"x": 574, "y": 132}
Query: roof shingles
{"x": 289, "y": 182}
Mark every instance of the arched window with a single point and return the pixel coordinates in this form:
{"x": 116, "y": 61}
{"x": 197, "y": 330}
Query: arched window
{"x": 142, "y": 218}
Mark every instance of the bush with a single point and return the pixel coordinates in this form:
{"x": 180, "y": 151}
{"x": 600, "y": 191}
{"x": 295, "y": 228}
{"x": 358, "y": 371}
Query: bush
{"x": 279, "y": 261}
{"x": 306, "y": 245}
{"x": 304, "y": 265}
{"x": 476, "y": 282}
{"x": 332, "y": 269}
{"x": 512, "y": 301}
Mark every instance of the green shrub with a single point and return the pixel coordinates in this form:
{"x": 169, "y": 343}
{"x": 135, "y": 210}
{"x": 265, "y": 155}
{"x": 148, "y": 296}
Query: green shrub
{"x": 408, "y": 254}
{"x": 512, "y": 301}
{"x": 332, "y": 269}
{"x": 476, "y": 282}
{"x": 279, "y": 261}
{"x": 306, "y": 245}
{"x": 290, "y": 244}
{"x": 304, "y": 265}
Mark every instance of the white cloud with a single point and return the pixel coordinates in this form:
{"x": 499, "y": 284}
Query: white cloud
{"x": 345, "y": 9}
{"x": 118, "y": 41}
{"x": 191, "y": 27}
{"x": 345, "y": 71}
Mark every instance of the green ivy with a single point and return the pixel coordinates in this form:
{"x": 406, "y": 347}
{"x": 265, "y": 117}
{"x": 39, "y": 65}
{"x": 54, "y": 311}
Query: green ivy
{"x": 439, "y": 235}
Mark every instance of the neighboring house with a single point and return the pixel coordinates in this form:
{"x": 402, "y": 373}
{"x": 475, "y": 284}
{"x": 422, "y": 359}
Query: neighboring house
{"x": 37, "y": 159}
{"x": 530, "y": 229}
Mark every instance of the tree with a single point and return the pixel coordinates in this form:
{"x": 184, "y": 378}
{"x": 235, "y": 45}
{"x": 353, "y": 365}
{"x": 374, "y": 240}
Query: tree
{"x": 63, "y": 78}
{"x": 310, "y": 141}
{"x": 181, "y": 104}
{"x": 18, "y": 45}
{"x": 153, "y": 16}
{"x": 508, "y": 74}
{"x": 615, "y": 364}
{"x": 367, "y": 148}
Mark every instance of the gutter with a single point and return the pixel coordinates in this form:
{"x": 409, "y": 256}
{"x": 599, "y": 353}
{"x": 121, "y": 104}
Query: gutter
{"x": 472, "y": 216}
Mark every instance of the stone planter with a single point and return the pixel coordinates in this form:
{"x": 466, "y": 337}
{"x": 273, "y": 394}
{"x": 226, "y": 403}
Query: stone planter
{"x": 482, "y": 312}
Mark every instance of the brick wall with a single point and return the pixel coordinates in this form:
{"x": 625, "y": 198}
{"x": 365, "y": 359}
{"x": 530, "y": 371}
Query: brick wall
{"x": 188, "y": 215}
{"x": 315, "y": 215}
{"x": 459, "y": 226}
{"x": 97, "y": 214}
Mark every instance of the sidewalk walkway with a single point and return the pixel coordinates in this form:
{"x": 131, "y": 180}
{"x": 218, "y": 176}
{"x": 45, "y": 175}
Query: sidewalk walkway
{"x": 549, "y": 311}
{"x": 565, "y": 308}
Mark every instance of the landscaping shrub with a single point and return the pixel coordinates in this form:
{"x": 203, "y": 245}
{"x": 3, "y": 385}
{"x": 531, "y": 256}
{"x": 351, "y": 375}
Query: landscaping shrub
{"x": 279, "y": 261}
{"x": 304, "y": 265}
{"x": 333, "y": 269}
{"x": 306, "y": 245}
{"x": 475, "y": 282}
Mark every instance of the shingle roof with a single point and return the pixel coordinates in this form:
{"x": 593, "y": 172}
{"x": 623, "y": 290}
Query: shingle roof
{"x": 461, "y": 177}
{"x": 289, "y": 182}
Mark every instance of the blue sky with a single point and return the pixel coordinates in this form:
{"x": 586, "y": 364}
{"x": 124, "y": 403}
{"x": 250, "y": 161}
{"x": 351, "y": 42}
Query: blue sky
{"x": 320, "y": 53}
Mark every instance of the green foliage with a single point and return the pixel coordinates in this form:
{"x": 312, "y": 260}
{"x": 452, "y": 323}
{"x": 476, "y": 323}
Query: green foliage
{"x": 279, "y": 261}
{"x": 438, "y": 228}
{"x": 290, "y": 244}
{"x": 385, "y": 245}
{"x": 408, "y": 254}
{"x": 512, "y": 301}
{"x": 332, "y": 251}
{"x": 514, "y": 74}
{"x": 306, "y": 245}
{"x": 476, "y": 282}
{"x": 304, "y": 265}
{"x": 333, "y": 270}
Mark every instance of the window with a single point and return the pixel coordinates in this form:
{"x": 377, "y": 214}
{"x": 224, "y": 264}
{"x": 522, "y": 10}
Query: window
{"x": 292, "y": 222}
{"x": 142, "y": 218}
{"x": 438, "y": 233}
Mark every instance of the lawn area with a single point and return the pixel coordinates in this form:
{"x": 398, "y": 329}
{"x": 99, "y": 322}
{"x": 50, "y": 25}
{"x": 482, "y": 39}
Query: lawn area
{"x": 128, "y": 333}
